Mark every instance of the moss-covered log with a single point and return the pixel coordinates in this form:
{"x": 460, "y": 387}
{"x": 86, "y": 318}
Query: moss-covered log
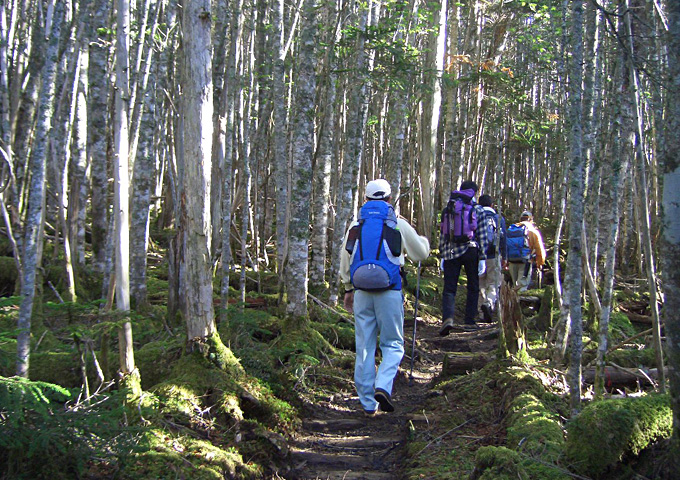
{"x": 607, "y": 431}
{"x": 458, "y": 363}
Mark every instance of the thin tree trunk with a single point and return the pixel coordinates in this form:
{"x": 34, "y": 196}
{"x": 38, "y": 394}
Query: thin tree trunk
{"x": 351, "y": 164}
{"x": 99, "y": 78}
{"x": 121, "y": 209}
{"x": 322, "y": 183}
{"x": 226, "y": 150}
{"x": 33, "y": 239}
{"x": 280, "y": 134}
{"x": 303, "y": 150}
{"x": 576, "y": 189}
{"x": 143, "y": 173}
{"x": 644, "y": 201}
{"x": 431, "y": 113}
{"x": 619, "y": 165}
{"x": 78, "y": 205}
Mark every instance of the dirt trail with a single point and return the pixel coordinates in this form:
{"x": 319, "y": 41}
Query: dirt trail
{"x": 339, "y": 442}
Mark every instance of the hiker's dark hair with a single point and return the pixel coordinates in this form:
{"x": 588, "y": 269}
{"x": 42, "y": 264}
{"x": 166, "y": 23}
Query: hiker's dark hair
{"x": 486, "y": 200}
{"x": 469, "y": 185}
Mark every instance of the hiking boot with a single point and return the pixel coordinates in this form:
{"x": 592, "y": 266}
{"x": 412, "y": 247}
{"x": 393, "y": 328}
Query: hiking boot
{"x": 384, "y": 399}
{"x": 470, "y": 327}
{"x": 486, "y": 311}
{"x": 369, "y": 413}
{"x": 447, "y": 327}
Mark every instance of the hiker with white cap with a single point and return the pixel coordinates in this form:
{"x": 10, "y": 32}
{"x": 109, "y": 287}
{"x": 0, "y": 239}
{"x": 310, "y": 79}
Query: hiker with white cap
{"x": 370, "y": 269}
{"x": 525, "y": 250}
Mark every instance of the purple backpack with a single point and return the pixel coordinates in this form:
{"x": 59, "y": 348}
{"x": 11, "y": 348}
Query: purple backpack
{"x": 459, "y": 219}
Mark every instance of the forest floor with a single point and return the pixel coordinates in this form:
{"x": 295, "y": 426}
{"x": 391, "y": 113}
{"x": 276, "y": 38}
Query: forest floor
{"x": 339, "y": 442}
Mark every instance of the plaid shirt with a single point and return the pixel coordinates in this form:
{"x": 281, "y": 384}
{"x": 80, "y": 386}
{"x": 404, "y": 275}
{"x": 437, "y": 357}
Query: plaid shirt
{"x": 449, "y": 250}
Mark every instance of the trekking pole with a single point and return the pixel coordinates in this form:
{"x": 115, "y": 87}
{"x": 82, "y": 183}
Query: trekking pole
{"x": 415, "y": 323}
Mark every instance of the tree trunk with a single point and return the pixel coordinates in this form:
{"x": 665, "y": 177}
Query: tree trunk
{"x": 576, "y": 190}
{"x": 322, "y": 170}
{"x": 644, "y": 198}
{"x": 143, "y": 174}
{"x": 610, "y": 225}
{"x": 225, "y": 150}
{"x": 303, "y": 150}
{"x": 352, "y": 158}
{"x": 197, "y": 110}
{"x": 280, "y": 135}
{"x": 121, "y": 195}
{"x": 99, "y": 84}
{"x": 671, "y": 229}
{"x": 33, "y": 238}
{"x": 79, "y": 195}
{"x": 513, "y": 339}
{"x": 431, "y": 113}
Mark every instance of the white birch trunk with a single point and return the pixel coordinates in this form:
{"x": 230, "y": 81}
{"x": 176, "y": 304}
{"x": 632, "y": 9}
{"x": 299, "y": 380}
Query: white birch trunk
{"x": 121, "y": 183}
{"x": 78, "y": 205}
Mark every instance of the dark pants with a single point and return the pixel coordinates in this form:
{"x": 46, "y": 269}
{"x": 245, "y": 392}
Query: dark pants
{"x": 470, "y": 261}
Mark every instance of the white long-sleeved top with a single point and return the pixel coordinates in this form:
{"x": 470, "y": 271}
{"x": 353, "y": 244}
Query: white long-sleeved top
{"x": 414, "y": 246}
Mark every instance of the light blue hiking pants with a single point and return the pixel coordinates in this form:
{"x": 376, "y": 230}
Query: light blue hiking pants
{"x": 377, "y": 313}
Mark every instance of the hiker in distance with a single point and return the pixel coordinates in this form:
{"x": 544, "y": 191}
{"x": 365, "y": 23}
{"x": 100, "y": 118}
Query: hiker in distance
{"x": 525, "y": 250}
{"x": 496, "y": 257}
{"x": 462, "y": 245}
{"x": 370, "y": 269}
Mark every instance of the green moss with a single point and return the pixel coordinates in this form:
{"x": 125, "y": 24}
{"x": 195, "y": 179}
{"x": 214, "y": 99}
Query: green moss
{"x": 605, "y": 431}
{"x": 633, "y": 358}
{"x": 302, "y": 346}
{"x": 620, "y": 327}
{"x": 501, "y": 463}
{"x": 196, "y": 384}
{"x": 156, "y": 290}
{"x": 340, "y": 335}
{"x": 8, "y": 276}
{"x": 155, "y": 360}
{"x": 174, "y": 456}
{"x": 62, "y": 368}
{"x": 534, "y": 429}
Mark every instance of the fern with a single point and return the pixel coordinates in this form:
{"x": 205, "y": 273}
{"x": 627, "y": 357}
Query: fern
{"x": 43, "y": 434}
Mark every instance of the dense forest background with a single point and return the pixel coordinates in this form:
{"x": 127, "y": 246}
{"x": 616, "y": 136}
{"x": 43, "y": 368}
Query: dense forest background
{"x": 228, "y": 144}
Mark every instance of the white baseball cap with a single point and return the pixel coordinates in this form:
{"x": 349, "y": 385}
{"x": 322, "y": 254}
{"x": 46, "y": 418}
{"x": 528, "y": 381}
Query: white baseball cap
{"x": 378, "y": 189}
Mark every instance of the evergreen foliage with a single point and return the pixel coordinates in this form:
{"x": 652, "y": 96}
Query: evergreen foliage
{"x": 44, "y": 433}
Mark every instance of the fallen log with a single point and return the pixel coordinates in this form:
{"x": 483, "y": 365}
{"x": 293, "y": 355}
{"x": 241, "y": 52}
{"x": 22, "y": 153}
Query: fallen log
{"x": 637, "y": 318}
{"x": 460, "y": 363}
{"x": 619, "y": 377}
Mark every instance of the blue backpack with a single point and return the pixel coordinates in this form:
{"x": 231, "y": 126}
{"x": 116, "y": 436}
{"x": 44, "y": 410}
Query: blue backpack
{"x": 517, "y": 238}
{"x": 374, "y": 246}
{"x": 490, "y": 223}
